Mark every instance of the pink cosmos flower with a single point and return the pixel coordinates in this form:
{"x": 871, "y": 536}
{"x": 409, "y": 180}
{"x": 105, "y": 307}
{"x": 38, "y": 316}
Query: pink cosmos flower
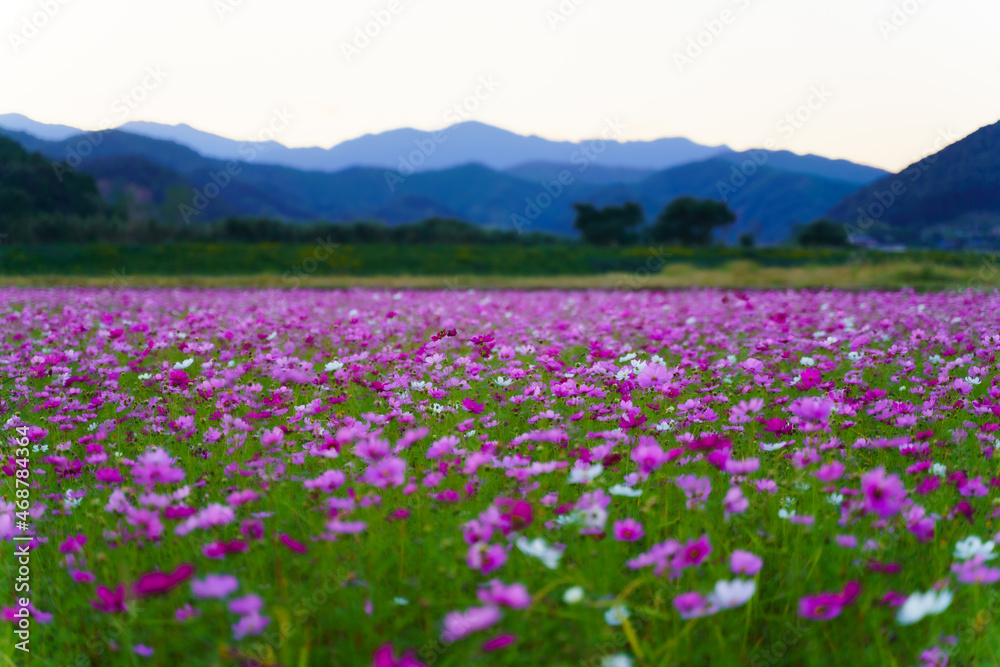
{"x": 660, "y": 555}
{"x": 486, "y": 558}
{"x": 735, "y": 502}
{"x": 825, "y": 606}
{"x": 158, "y": 583}
{"x": 472, "y": 406}
{"x": 384, "y": 658}
{"x": 697, "y": 489}
{"x": 251, "y": 624}
{"x": 693, "y": 605}
{"x": 648, "y": 455}
{"x": 973, "y": 571}
{"x": 338, "y": 527}
{"x": 830, "y": 472}
{"x": 240, "y": 497}
{"x": 497, "y": 643}
{"x": 498, "y": 594}
{"x": 329, "y": 481}
{"x": 459, "y": 624}
{"x": 628, "y": 530}
{"x": 73, "y": 544}
{"x": 249, "y": 604}
{"x": 297, "y": 547}
{"x": 213, "y": 515}
{"x": 812, "y": 409}
{"x": 110, "y": 602}
{"x": 693, "y": 553}
{"x": 390, "y": 471}
{"x": 442, "y": 447}
{"x": 186, "y": 612}
{"x": 218, "y": 550}
{"x": 156, "y": 467}
{"x": 518, "y": 515}
{"x": 214, "y": 586}
{"x": 745, "y": 563}
{"x": 883, "y": 494}
{"x": 271, "y": 437}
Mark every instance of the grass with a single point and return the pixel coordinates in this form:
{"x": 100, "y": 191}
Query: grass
{"x": 735, "y": 274}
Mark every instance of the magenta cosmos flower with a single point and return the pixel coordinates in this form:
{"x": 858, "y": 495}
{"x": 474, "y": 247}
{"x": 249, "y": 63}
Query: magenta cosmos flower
{"x": 883, "y": 494}
{"x": 693, "y": 553}
{"x": 825, "y": 606}
{"x": 158, "y": 583}
{"x": 384, "y": 657}
{"x": 628, "y": 530}
{"x": 693, "y": 605}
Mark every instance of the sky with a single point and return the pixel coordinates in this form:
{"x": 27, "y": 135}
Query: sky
{"x": 880, "y": 82}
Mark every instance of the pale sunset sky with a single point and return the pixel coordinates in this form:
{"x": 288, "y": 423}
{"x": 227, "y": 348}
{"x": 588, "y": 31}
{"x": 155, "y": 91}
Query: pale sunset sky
{"x": 873, "y": 81}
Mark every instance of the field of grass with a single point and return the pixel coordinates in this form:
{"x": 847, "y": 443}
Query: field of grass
{"x": 735, "y": 274}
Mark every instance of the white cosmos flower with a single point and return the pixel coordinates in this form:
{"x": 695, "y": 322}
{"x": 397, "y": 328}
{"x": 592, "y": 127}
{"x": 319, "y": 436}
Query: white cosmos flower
{"x": 732, "y": 593}
{"x": 333, "y": 366}
{"x": 503, "y": 381}
{"x": 665, "y": 425}
{"x": 972, "y": 380}
{"x": 573, "y": 595}
{"x": 538, "y": 548}
{"x": 145, "y": 376}
{"x": 618, "y": 659}
{"x": 617, "y": 614}
{"x": 939, "y": 469}
{"x": 835, "y": 499}
{"x": 972, "y": 546}
{"x": 594, "y": 517}
{"x": 807, "y": 361}
{"x": 437, "y": 408}
{"x": 773, "y": 447}
{"x": 584, "y": 475}
{"x": 622, "y": 490}
{"x": 919, "y": 605}
{"x": 181, "y": 365}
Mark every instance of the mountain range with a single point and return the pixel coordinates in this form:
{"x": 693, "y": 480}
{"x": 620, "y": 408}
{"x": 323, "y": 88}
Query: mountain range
{"x": 949, "y": 198}
{"x": 481, "y": 174}
{"x": 469, "y": 142}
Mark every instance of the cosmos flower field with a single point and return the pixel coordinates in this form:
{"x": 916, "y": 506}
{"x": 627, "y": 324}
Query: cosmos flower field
{"x": 596, "y": 478}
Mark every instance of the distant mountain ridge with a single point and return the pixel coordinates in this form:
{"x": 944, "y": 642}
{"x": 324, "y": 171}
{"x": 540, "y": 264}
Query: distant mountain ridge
{"x": 175, "y": 182}
{"x": 408, "y": 151}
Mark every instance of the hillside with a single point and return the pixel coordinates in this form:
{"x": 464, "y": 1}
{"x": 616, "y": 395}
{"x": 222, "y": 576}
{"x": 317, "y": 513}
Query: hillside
{"x": 951, "y": 198}
{"x": 29, "y": 185}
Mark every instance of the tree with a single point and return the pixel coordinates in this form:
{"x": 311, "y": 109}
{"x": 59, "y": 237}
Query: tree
{"x": 822, "y": 233}
{"x": 690, "y": 222}
{"x": 612, "y": 225}
{"x": 747, "y": 241}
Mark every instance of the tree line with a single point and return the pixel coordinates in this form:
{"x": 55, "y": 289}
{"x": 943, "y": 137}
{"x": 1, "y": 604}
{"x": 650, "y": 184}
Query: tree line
{"x": 686, "y": 221}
